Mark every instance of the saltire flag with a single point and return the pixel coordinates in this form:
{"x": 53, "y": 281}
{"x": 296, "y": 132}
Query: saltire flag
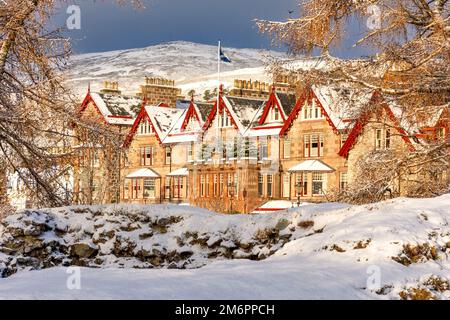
{"x": 222, "y": 55}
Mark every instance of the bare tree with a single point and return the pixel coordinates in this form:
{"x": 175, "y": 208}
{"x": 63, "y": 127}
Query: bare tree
{"x": 37, "y": 111}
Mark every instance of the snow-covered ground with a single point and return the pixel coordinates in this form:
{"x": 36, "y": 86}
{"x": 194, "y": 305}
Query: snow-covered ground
{"x": 345, "y": 252}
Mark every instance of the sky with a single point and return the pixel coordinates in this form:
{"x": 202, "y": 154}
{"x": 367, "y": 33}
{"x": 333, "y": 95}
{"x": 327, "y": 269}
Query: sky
{"x": 106, "y": 26}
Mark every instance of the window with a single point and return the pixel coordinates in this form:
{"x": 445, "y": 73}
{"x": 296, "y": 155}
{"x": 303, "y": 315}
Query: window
{"x": 207, "y": 185}
{"x": 224, "y": 119}
{"x": 314, "y": 145}
{"x": 190, "y": 152}
{"x": 382, "y": 139}
{"x": 168, "y": 155}
{"x": 215, "y": 190}
{"x": 287, "y": 148}
{"x": 317, "y": 186}
{"x": 230, "y": 184}
{"x": 145, "y": 127}
{"x": 263, "y": 148}
{"x": 236, "y": 185}
{"x": 146, "y": 156}
{"x": 344, "y": 181}
{"x": 126, "y": 189}
{"x": 202, "y": 186}
{"x": 167, "y": 187}
{"x": 312, "y": 111}
{"x": 136, "y": 188}
{"x": 274, "y": 114}
{"x": 286, "y": 185}
{"x": 260, "y": 185}
{"x": 221, "y": 184}
{"x": 269, "y": 185}
{"x": 247, "y": 148}
{"x": 149, "y": 188}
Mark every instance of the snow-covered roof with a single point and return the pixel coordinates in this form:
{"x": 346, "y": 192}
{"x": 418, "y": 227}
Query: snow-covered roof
{"x": 287, "y": 102}
{"x": 116, "y": 108}
{"x": 163, "y": 118}
{"x": 143, "y": 173}
{"x": 342, "y": 103}
{"x": 179, "y": 172}
{"x": 243, "y": 110}
{"x": 311, "y": 166}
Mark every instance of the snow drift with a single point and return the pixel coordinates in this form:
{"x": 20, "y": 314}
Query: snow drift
{"x": 397, "y": 249}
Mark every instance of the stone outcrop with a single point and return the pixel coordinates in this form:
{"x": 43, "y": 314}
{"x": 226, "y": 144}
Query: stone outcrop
{"x": 131, "y": 237}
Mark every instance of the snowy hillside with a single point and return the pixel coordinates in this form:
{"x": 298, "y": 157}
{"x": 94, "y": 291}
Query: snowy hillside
{"x": 191, "y": 65}
{"x": 390, "y": 250}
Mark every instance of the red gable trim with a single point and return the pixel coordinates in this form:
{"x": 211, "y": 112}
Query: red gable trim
{"x": 308, "y": 95}
{"x": 212, "y": 115}
{"x": 190, "y": 112}
{"x": 271, "y": 103}
{"x": 268, "y": 127}
{"x": 364, "y": 119}
{"x": 120, "y": 117}
{"x": 85, "y": 103}
{"x": 142, "y": 115}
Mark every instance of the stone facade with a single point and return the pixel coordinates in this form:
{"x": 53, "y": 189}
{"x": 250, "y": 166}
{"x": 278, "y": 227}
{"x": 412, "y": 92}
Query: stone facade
{"x": 254, "y": 150}
{"x": 97, "y": 164}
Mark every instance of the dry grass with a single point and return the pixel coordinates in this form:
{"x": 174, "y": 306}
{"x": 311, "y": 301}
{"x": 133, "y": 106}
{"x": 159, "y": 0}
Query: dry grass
{"x": 306, "y": 224}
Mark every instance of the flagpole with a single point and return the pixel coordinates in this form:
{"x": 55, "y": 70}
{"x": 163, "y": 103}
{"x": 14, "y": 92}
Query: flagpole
{"x": 218, "y": 94}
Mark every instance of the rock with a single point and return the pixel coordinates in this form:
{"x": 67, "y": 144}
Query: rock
{"x": 240, "y": 254}
{"x": 282, "y": 224}
{"x": 83, "y": 250}
{"x": 145, "y": 235}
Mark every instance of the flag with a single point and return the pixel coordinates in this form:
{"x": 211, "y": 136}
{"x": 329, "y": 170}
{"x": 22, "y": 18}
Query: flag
{"x": 223, "y": 57}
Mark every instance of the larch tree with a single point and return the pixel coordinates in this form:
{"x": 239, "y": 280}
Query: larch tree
{"x": 409, "y": 64}
{"x": 37, "y": 111}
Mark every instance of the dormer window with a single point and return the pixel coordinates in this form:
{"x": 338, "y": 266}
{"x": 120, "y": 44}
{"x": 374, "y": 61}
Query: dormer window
{"x": 312, "y": 111}
{"x": 274, "y": 114}
{"x": 224, "y": 119}
{"x": 145, "y": 128}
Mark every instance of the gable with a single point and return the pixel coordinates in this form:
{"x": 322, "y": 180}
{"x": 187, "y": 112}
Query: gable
{"x": 190, "y": 117}
{"x": 142, "y": 116}
{"x": 272, "y": 104}
{"x": 213, "y": 113}
{"x": 364, "y": 119}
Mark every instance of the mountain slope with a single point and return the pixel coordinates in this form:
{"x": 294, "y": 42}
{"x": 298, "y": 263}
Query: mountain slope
{"x": 191, "y": 65}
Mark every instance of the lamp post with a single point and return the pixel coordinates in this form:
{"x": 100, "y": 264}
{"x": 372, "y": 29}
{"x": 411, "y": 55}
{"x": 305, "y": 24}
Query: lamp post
{"x": 231, "y": 190}
{"x": 299, "y": 188}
